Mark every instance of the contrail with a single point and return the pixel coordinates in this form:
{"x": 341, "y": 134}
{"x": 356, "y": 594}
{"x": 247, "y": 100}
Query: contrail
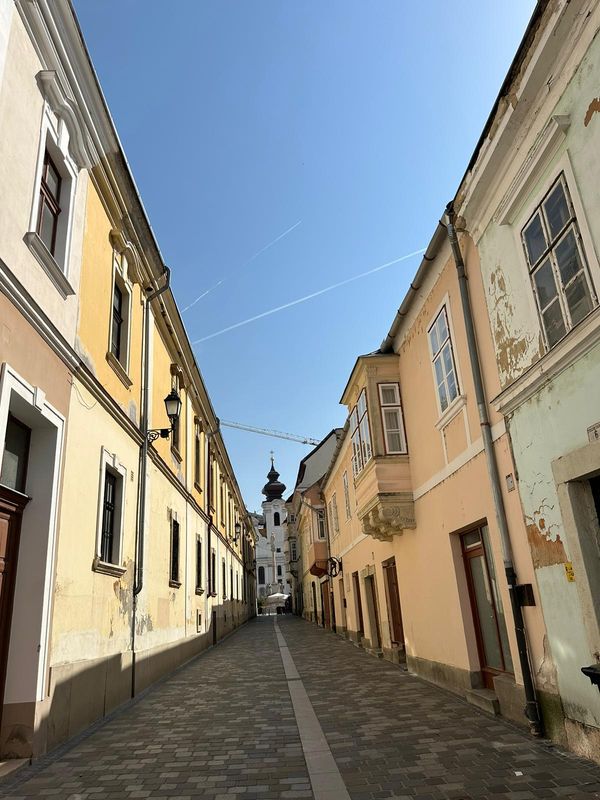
{"x": 309, "y": 296}
{"x": 245, "y": 264}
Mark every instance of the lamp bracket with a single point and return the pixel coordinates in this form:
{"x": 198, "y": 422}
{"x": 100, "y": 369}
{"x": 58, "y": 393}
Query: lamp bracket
{"x": 162, "y": 433}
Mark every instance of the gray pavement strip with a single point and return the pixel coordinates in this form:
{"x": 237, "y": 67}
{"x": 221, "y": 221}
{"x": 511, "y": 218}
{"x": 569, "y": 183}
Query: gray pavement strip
{"x": 325, "y": 777}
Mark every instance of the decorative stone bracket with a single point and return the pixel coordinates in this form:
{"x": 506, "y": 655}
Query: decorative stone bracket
{"x": 387, "y": 515}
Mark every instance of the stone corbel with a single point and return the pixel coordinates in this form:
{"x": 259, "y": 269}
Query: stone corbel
{"x": 66, "y": 109}
{"x": 388, "y": 515}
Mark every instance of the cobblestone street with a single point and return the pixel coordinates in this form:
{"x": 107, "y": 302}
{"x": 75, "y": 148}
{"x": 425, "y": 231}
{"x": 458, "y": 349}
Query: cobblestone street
{"x": 237, "y": 721}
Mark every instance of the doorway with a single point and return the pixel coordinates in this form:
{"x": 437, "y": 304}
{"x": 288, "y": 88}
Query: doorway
{"x": 325, "y": 610}
{"x": 486, "y": 606}
{"x": 392, "y": 594}
{"x": 372, "y": 611}
{"x": 358, "y": 606}
{"x": 314, "y": 599}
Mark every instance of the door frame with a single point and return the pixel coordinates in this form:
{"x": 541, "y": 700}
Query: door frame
{"x": 488, "y": 672}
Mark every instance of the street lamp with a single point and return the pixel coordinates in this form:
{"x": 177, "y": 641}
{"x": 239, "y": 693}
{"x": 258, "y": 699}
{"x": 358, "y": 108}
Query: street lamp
{"x": 173, "y": 409}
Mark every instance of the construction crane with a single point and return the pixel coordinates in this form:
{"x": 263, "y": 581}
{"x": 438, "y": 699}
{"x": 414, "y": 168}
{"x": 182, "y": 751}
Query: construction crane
{"x": 266, "y": 432}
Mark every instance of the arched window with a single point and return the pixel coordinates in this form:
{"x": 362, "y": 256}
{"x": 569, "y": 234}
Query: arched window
{"x": 261, "y": 574}
{"x": 276, "y": 518}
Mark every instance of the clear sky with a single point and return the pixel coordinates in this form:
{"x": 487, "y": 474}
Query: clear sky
{"x": 240, "y": 119}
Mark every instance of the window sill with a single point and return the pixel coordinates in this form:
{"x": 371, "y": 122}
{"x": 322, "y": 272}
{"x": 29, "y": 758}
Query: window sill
{"x": 197, "y": 487}
{"x": 453, "y": 409}
{"x": 212, "y": 594}
{"x": 199, "y": 590}
{"x": 108, "y": 569}
{"x": 175, "y": 584}
{"x": 176, "y": 454}
{"x": 48, "y": 264}
{"x": 119, "y": 369}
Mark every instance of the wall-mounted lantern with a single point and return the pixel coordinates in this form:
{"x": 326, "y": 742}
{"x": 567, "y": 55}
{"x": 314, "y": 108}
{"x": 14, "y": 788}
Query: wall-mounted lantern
{"x": 173, "y": 409}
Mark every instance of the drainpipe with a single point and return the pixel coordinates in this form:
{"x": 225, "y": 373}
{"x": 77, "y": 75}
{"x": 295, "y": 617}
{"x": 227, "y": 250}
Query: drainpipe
{"x": 138, "y": 569}
{"x": 531, "y": 707}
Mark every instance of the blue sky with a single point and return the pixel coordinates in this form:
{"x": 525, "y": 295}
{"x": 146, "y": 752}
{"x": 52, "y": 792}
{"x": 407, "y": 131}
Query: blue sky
{"x": 241, "y": 119}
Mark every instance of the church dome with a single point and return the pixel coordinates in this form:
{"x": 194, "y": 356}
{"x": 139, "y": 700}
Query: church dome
{"x": 274, "y": 489}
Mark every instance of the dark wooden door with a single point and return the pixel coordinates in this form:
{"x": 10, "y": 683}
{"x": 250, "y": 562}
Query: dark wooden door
{"x": 370, "y": 586}
{"x": 359, "y": 613}
{"x": 393, "y": 598}
{"x": 11, "y": 510}
{"x": 486, "y": 606}
{"x": 326, "y": 615}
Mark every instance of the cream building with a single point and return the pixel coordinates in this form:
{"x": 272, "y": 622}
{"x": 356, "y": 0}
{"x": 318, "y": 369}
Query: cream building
{"x": 530, "y": 202}
{"x": 145, "y": 556}
{"x": 271, "y": 574}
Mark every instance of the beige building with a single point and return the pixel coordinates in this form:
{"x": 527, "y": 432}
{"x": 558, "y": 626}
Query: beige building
{"x": 413, "y": 515}
{"x": 135, "y": 550}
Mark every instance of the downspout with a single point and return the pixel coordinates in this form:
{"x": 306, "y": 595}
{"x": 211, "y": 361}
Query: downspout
{"x": 531, "y": 707}
{"x": 138, "y": 569}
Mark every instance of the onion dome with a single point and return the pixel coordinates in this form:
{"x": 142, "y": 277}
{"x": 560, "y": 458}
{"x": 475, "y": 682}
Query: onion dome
{"x": 274, "y": 489}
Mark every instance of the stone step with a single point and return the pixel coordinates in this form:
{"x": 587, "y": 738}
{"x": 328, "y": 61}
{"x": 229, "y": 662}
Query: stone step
{"x": 484, "y": 699}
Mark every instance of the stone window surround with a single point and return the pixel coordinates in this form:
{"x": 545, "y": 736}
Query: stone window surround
{"x": 120, "y": 279}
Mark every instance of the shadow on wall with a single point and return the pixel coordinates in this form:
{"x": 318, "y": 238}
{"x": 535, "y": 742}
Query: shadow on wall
{"x": 83, "y": 692}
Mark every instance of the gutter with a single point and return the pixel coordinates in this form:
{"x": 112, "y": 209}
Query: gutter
{"x": 433, "y": 248}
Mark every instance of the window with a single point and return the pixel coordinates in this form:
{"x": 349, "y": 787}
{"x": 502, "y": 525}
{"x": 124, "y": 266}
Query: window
{"x": 442, "y": 357}
{"x": 16, "y": 455}
{"x": 321, "y": 531}
{"x": 346, "y": 495}
{"x": 108, "y": 518}
{"x": 360, "y": 433}
{"x": 279, "y": 571}
{"x": 111, "y": 503}
{"x": 276, "y": 518}
{"x": 562, "y": 286}
{"x": 391, "y": 413}
{"x": 198, "y": 564}
{"x": 293, "y": 551}
{"x": 261, "y": 575}
{"x": 213, "y": 574}
{"x": 175, "y": 434}
{"x": 117, "y": 322}
{"x": 224, "y": 579}
{"x": 222, "y": 502}
{"x": 231, "y": 583}
{"x": 197, "y": 449}
{"x": 213, "y": 479}
{"x": 49, "y": 204}
{"x": 174, "y": 566}
{"x": 334, "y": 511}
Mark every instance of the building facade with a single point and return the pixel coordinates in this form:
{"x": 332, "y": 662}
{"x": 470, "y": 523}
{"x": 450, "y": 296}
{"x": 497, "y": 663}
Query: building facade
{"x": 127, "y": 548}
{"x": 530, "y": 202}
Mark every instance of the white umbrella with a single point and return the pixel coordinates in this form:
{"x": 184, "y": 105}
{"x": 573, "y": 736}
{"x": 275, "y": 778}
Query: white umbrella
{"x": 277, "y": 597}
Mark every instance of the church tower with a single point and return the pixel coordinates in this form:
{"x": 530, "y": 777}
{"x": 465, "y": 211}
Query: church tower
{"x": 270, "y": 558}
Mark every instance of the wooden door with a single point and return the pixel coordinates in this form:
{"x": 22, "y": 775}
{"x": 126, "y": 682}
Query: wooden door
{"x": 359, "y": 613}
{"x": 11, "y": 510}
{"x": 486, "y": 606}
{"x": 375, "y": 629}
{"x": 326, "y": 613}
{"x": 393, "y": 602}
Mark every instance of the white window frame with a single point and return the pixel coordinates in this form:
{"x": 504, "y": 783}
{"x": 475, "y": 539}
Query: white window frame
{"x": 54, "y": 138}
{"x": 444, "y": 307}
{"x": 110, "y": 462}
{"x": 578, "y": 225}
{"x": 362, "y": 449}
{"x": 320, "y": 524}
{"x": 346, "y": 494}
{"x": 395, "y": 406}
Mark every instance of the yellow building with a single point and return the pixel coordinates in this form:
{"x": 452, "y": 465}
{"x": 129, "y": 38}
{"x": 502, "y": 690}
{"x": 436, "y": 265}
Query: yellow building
{"x": 146, "y": 556}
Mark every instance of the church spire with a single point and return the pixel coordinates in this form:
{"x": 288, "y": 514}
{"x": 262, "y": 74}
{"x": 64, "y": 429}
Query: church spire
{"x": 273, "y": 489}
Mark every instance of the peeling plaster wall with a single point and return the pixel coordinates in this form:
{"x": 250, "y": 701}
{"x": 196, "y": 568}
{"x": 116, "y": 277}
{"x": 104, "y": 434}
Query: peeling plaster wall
{"x": 553, "y": 409}
{"x": 571, "y": 402}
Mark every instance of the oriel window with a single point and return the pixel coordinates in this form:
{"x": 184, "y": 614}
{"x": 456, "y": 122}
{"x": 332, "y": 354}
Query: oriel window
{"x": 49, "y": 209}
